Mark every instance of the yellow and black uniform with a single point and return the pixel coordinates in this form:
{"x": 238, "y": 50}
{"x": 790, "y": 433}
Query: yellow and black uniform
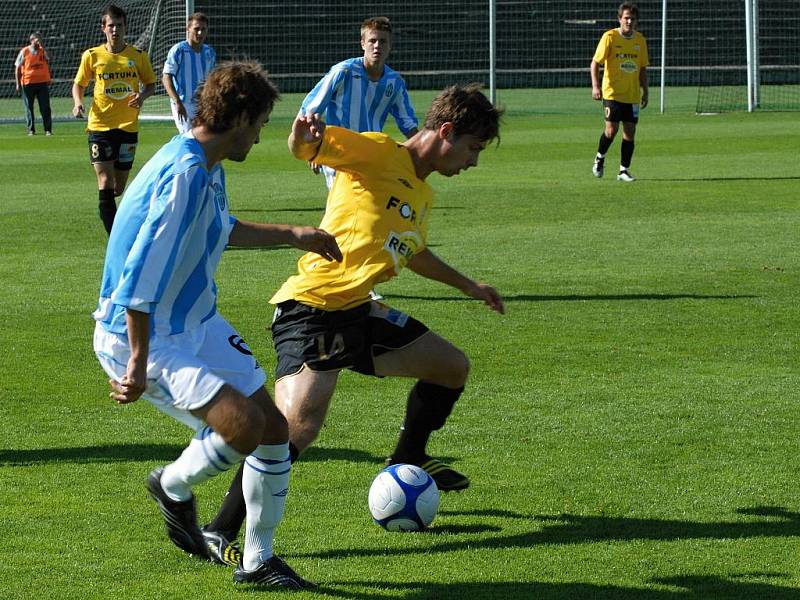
{"x": 116, "y": 77}
{"x": 377, "y": 209}
{"x": 624, "y": 59}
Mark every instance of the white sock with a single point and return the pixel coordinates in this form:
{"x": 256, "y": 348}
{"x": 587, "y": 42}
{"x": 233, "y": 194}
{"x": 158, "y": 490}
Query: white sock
{"x": 206, "y": 456}
{"x": 265, "y": 484}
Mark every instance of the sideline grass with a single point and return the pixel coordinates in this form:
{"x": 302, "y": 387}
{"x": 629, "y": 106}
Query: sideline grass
{"x": 630, "y": 425}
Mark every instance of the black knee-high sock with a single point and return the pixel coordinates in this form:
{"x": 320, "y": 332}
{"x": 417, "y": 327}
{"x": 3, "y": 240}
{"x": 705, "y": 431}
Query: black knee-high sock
{"x": 228, "y": 520}
{"x": 626, "y": 153}
{"x": 427, "y": 409}
{"x": 604, "y": 144}
{"x": 107, "y": 207}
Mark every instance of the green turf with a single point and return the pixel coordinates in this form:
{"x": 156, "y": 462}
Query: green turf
{"x": 630, "y": 426}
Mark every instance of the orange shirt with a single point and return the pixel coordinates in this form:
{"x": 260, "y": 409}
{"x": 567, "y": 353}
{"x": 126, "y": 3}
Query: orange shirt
{"x": 33, "y": 66}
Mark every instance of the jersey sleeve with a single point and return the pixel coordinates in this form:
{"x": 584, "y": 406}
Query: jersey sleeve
{"x": 345, "y": 150}
{"x": 171, "y": 64}
{"x": 645, "y": 62}
{"x": 601, "y": 53}
{"x": 317, "y": 100}
{"x": 403, "y": 111}
{"x": 84, "y": 74}
{"x": 20, "y": 58}
{"x": 146, "y": 73}
{"x": 158, "y": 247}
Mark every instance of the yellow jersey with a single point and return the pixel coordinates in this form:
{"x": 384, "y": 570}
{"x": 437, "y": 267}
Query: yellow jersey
{"x": 624, "y": 59}
{"x": 116, "y": 77}
{"x": 378, "y": 211}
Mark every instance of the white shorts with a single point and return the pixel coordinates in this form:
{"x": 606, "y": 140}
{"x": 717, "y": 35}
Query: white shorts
{"x": 185, "y": 371}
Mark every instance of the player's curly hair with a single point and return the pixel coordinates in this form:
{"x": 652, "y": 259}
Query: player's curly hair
{"x": 233, "y": 89}
{"x": 468, "y": 109}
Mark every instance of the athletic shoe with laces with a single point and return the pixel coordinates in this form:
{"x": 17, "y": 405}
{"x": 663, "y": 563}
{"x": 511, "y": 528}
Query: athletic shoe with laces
{"x": 446, "y": 477}
{"x": 624, "y": 175}
{"x": 272, "y": 573}
{"x": 221, "y": 550}
{"x": 597, "y": 167}
{"x": 180, "y": 518}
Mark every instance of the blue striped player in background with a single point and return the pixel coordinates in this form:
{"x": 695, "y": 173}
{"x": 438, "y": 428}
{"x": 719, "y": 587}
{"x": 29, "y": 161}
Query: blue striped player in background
{"x": 188, "y": 64}
{"x": 360, "y": 93}
{"x": 158, "y": 333}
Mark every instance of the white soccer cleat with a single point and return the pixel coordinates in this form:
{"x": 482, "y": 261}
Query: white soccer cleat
{"x": 597, "y": 167}
{"x": 624, "y": 175}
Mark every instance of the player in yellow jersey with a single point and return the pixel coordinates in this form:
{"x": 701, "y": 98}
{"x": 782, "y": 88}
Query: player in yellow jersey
{"x": 123, "y": 79}
{"x": 378, "y": 209}
{"x": 623, "y": 53}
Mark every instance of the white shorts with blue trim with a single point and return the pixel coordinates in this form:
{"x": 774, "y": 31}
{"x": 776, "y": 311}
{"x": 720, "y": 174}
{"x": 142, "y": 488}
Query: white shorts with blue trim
{"x": 185, "y": 371}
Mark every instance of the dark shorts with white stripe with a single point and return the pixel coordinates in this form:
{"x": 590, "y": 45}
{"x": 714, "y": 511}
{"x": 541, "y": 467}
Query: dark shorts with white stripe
{"x": 329, "y": 340}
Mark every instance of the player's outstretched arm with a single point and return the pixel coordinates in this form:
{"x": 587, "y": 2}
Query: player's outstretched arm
{"x": 306, "y": 136}
{"x": 430, "y": 266}
{"x": 310, "y": 239}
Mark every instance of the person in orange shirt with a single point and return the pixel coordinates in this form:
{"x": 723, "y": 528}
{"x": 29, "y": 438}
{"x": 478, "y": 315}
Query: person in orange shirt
{"x": 32, "y": 76}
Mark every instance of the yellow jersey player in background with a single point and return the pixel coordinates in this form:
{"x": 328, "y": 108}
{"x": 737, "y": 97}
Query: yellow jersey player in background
{"x": 623, "y": 53}
{"x": 325, "y": 321}
{"x": 123, "y": 79}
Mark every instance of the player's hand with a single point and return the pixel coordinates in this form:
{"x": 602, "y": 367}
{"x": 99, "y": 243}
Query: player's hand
{"x": 597, "y": 94}
{"x": 182, "y": 114}
{"x": 78, "y": 111}
{"x": 317, "y": 240}
{"x": 131, "y": 386}
{"x": 489, "y": 296}
{"x": 645, "y": 99}
{"x": 135, "y": 101}
{"x": 308, "y": 128}
{"x": 315, "y": 167}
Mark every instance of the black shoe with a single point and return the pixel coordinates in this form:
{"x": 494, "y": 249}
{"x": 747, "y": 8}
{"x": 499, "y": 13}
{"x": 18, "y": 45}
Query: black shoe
{"x": 221, "y": 550}
{"x": 273, "y": 573}
{"x": 446, "y": 477}
{"x": 180, "y": 518}
{"x": 597, "y": 167}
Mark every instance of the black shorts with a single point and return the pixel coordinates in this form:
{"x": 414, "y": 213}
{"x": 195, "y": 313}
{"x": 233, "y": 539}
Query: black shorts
{"x": 620, "y": 111}
{"x": 114, "y": 144}
{"x": 339, "y": 339}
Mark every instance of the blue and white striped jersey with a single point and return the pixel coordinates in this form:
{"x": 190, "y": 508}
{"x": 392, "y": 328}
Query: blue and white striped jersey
{"x": 189, "y": 69}
{"x": 168, "y": 237}
{"x": 348, "y": 99}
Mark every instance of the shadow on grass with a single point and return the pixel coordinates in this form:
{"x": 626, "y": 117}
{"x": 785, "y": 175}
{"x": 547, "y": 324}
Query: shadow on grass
{"x": 579, "y": 297}
{"x": 781, "y": 178}
{"x": 691, "y": 587}
{"x": 578, "y": 529}
{"x": 150, "y": 452}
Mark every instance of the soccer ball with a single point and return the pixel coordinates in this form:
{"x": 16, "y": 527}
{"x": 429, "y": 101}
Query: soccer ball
{"x": 403, "y": 498}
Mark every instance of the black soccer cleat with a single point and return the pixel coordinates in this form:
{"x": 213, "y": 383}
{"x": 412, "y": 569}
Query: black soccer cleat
{"x": 446, "y": 477}
{"x": 272, "y": 573}
{"x": 180, "y": 518}
{"x": 221, "y": 550}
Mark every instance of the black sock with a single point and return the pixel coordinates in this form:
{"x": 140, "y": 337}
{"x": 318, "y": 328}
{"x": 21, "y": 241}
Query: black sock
{"x": 107, "y": 207}
{"x": 233, "y": 511}
{"x": 604, "y": 144}
{"x": 427, "y": 409}
{"x": 626, "y": 153}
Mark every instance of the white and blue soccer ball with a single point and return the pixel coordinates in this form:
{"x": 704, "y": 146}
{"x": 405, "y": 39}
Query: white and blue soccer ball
{"x": 403, "y": 498}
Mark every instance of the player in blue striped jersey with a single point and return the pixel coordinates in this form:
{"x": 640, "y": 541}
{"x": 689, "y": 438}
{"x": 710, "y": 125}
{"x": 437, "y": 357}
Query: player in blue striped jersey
{"x": 188, "y": 64}
{"x": 158, "y": 333}
{"x": 360, "y": 93}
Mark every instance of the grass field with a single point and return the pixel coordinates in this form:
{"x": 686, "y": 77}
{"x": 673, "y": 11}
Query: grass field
{"x": 630, "y": 425}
